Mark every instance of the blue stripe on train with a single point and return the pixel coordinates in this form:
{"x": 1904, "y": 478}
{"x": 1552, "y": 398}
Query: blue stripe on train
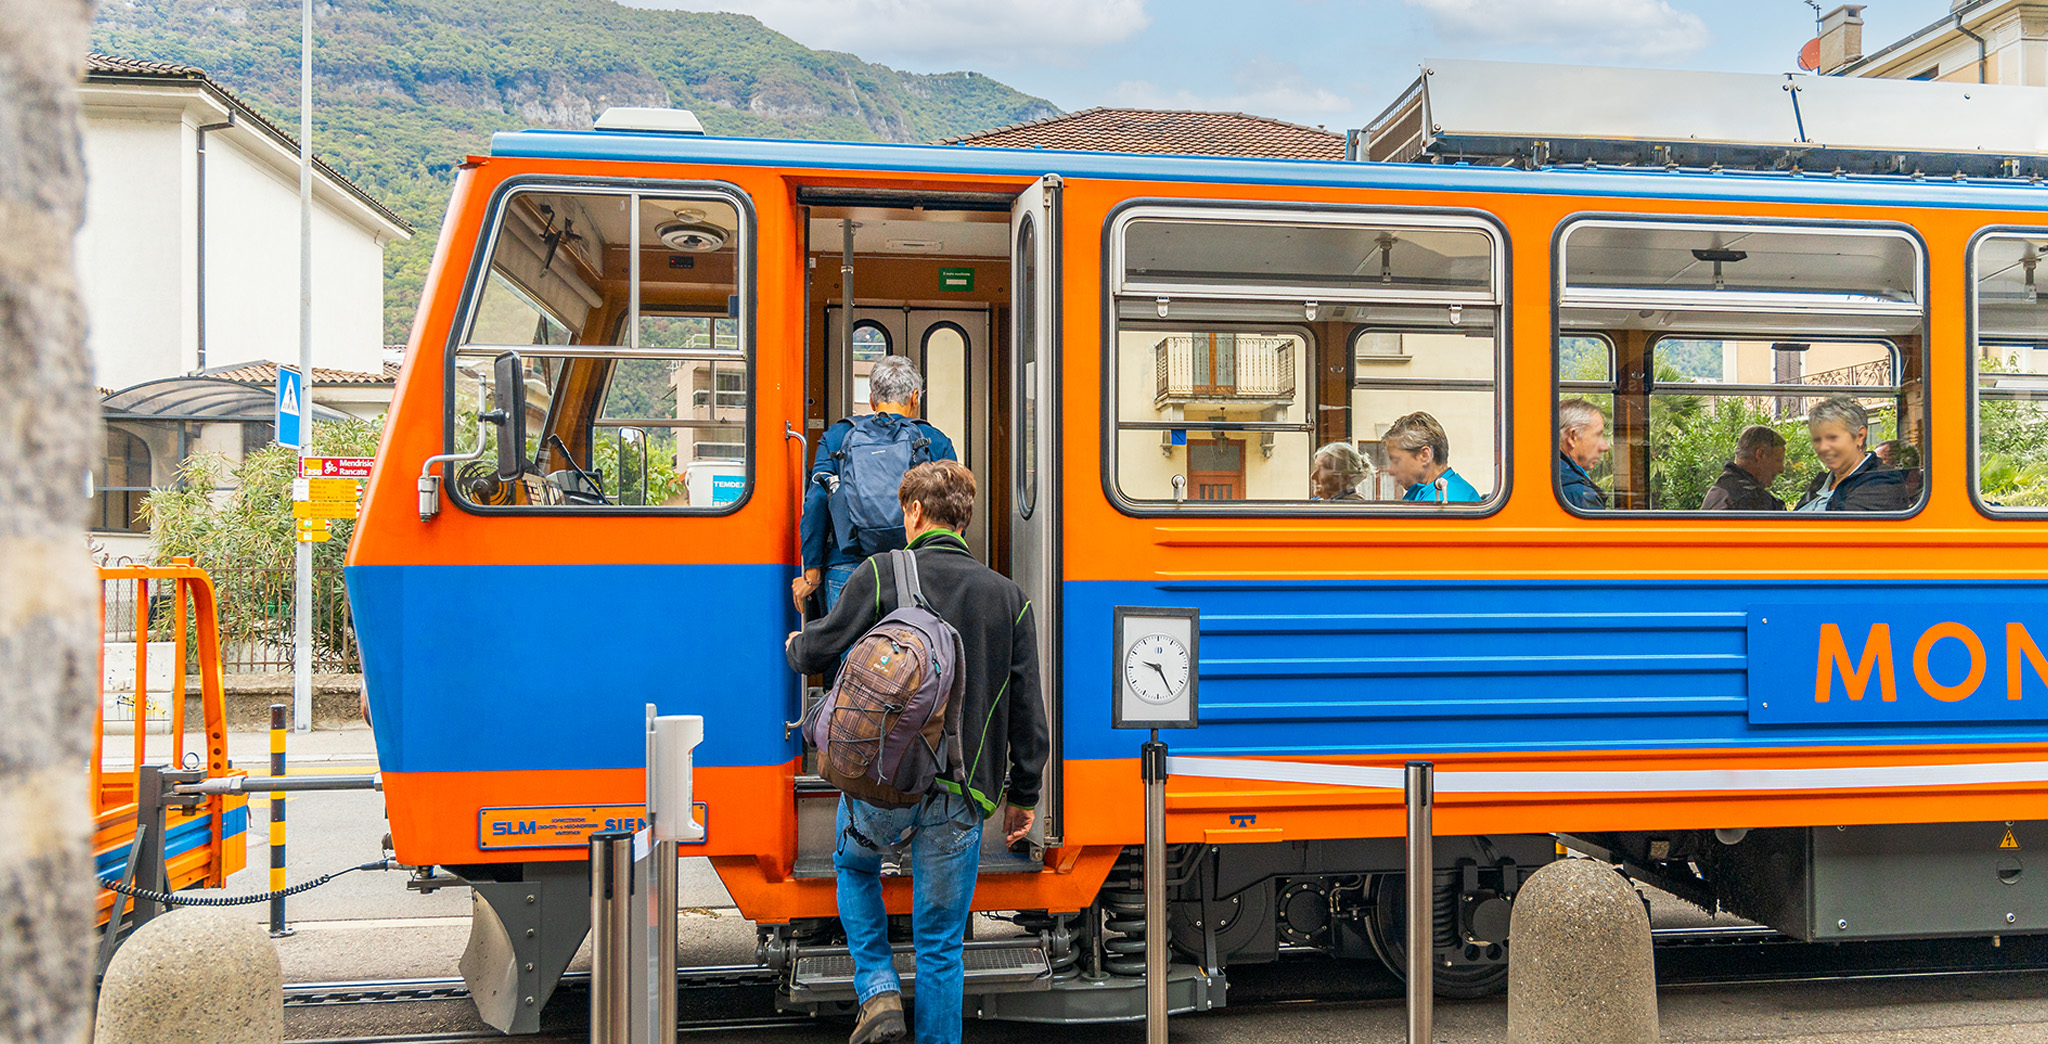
{"x": 179, "y": 840}
{"x": 1397, "y": 668}
{"x": 475, "y": 668}
{"x": 532, "y": 667}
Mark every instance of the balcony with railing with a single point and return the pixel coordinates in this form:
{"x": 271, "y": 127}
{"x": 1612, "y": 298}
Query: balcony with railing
{"x": 1224, "y": 368}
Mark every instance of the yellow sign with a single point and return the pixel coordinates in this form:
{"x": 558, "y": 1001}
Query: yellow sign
{"x": 322, "y": 509}
{"x": 560, "y": 826}
{"x": 313, "y": 523}
{"x": 2010, "y": 841}
{"x": 332, "y": 489}
{"x": 314, "y": 536}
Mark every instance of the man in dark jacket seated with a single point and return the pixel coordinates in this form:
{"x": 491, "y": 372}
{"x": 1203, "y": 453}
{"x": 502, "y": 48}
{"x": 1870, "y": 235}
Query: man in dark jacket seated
{"x": 1581, "y": 442}
{"x": 1745, "y": 483}
{"x": 1852, "y": 478}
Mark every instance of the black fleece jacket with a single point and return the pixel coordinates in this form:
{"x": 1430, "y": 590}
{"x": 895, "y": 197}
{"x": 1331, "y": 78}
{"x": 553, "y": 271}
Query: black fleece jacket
{"x": 1002, "y": 720}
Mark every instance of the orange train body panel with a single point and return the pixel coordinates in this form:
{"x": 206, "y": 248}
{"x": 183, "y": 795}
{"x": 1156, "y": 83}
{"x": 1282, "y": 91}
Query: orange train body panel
{"x": 1524, "y": 558}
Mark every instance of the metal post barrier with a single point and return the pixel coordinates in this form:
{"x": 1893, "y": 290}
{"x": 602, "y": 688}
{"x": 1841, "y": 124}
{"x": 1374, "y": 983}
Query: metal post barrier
{"x": 278, "y": 929}
{"x": 670, "y": 743}
{"x": 611, "y": 916}
{"x": 1155, "y": 890}
{"x": 1421, "y": 870}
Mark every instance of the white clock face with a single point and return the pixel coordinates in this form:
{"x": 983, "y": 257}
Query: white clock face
{"x": 1156, "y": 668}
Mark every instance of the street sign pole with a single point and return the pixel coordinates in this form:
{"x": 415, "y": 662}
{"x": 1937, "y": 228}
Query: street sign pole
{"x": 302, "y": 600}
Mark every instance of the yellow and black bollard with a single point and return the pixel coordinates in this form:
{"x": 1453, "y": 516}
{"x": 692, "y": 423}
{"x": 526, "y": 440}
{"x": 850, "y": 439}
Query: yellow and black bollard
{"x": 277, "y": 730}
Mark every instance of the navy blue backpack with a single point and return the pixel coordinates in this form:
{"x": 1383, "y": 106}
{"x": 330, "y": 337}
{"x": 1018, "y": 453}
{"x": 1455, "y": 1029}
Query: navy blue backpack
{"x": 867, "y": 517}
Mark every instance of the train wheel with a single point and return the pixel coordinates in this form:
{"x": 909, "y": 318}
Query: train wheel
{"x": 1243, "y": 921}
{"x": 1477, "y": 971}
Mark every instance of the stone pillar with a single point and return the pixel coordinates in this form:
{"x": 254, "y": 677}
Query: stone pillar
{"x": 48, "y": 663}
{"x": 1579, "y": 964}
{"x": 196, "y": 975}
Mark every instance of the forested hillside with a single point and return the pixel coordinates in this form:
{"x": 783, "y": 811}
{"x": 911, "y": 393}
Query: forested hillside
{"x": 403, "y": 89}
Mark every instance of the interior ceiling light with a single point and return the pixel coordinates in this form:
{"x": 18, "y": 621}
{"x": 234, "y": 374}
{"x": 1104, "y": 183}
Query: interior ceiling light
{"x": 690, "y": 233}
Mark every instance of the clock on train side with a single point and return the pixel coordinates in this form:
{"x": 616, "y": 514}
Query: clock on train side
{"x": 1157, "y": 668}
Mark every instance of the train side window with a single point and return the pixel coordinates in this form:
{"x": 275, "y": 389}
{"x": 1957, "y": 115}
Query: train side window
{"x": 625, "y": 309}
{"x": 2009, "y": 372}
{"x": 1324, "y": 360}
{"x": 1740, "y": 367}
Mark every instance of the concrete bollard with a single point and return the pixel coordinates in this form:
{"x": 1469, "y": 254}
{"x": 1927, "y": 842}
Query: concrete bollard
{"x": 1579, "y": 963}
{"x": 194, "y": 976}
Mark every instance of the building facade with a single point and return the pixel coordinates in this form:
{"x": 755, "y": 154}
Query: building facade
{"x": 188, "y": 265}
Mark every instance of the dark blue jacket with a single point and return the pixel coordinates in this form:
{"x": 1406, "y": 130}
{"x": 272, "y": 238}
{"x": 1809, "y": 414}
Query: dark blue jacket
{"x": 819, "y": 550}
{"x": 1577, "y": 487}
{"x": 1871, "y": 487}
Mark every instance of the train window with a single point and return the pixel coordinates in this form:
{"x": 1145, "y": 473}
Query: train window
{"x": 625, "y": 310}
{"x": 1727, "y": 367}
{"x": 1317, "y": 360}
{"x": 2010, "y": 371}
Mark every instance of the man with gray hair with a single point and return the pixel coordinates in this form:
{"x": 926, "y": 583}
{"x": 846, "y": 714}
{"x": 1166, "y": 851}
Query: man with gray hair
{"x": 851, "y": 510}
{"x": 1581, "y": 442}
{"x": 1745, "y": 482}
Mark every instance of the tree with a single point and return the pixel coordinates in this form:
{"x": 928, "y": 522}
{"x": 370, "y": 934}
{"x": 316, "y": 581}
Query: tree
{"x": 48, "y": 654}
{"x": 243, "y": 531}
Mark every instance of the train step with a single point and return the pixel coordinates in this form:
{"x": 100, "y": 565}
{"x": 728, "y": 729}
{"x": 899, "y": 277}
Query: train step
{"x": 825, "y": 974}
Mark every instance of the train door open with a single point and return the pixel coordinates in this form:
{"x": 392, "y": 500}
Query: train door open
{"x": 1034, "y": 529}
{"x": 933, "y": 279}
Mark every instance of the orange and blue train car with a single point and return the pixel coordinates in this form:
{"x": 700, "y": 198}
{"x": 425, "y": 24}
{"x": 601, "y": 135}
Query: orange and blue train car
{"x": 1232, "y": 385}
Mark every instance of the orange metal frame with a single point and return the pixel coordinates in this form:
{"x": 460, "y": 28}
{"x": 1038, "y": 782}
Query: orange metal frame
{"x": 113, "y": 795}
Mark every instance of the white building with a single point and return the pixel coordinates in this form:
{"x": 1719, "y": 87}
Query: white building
{"x": 188, "y": 264}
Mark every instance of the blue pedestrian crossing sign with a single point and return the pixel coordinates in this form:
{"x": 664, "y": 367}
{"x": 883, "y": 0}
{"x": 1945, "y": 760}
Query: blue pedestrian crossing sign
{"x": 291, "y": 401}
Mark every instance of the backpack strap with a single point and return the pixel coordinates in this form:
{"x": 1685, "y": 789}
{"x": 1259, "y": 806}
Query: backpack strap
{"x": 909, "y": 593}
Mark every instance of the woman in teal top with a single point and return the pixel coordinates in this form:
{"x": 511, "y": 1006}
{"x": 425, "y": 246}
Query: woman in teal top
{"x": 1419, "y": 456}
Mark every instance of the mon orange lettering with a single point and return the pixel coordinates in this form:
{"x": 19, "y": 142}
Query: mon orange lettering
{"x": 1834, "y": 654}
{"x": 1962, "y": 689}
{"x": 2019, "y": 643}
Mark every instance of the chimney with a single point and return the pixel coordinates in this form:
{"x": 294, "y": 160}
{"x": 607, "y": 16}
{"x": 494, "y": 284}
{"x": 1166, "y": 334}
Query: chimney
{"x": 1841, "y": 37}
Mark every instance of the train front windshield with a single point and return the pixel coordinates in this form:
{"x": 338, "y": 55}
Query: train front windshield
{"x": 624, "y": 311}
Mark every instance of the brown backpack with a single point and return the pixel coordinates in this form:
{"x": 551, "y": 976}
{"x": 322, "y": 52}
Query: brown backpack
{"x": 891, "y": 724}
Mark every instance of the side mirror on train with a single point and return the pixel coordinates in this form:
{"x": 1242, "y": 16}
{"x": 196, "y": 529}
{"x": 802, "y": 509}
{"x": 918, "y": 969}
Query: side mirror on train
{"x": 508, "y": 412}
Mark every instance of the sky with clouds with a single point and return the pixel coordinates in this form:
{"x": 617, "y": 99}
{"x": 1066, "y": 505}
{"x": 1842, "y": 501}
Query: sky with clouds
{"x": 1335, "y": 63}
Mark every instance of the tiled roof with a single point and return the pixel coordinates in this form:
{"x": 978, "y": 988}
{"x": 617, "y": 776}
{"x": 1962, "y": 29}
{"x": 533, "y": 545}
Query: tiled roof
{"x": 266, "y": 373}
{"x": 109, "y": 68}
{"x": 1165, "y": 131}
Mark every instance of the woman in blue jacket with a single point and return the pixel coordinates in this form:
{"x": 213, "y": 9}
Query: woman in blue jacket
{"x": 1419, "y": 457}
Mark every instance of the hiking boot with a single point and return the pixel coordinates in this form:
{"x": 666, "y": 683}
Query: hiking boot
{"x": 881, "y": 1019}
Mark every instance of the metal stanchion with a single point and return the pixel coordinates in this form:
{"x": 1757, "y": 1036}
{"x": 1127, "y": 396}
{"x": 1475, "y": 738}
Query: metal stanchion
{"x": 670, "y": 742}
{"x": 1155, "y": 890}
{"x": 1421, "y": 788}
{"x": 611, "y": 917}
{"x": 277, "y": 730}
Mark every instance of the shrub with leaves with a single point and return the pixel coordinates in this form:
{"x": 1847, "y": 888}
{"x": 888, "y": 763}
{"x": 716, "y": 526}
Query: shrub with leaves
{"x": 234, "y": 519}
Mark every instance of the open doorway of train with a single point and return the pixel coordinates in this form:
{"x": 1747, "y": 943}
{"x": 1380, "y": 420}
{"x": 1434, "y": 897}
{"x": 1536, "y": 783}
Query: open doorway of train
{"x": 929, "y": 279}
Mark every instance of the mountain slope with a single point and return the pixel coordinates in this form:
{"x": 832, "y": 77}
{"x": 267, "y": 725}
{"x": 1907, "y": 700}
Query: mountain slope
{"x": 403, "y": 89}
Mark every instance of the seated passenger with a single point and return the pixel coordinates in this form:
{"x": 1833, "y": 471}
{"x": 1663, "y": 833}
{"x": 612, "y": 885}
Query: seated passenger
{"x": 1745, "y": 483}
{"x": 1337, "y": 470}
{"x": 1419, "y": 457}
{"x": 1581, "y": 442}
{"x": 1852, "y": 478}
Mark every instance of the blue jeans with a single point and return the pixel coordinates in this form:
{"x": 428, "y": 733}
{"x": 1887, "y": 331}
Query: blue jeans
{"x": 835, "y": 581}
{"x": 944, "y": 836}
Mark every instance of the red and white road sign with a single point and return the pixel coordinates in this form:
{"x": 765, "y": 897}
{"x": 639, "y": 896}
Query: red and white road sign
{"x": 335, "y": 467}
